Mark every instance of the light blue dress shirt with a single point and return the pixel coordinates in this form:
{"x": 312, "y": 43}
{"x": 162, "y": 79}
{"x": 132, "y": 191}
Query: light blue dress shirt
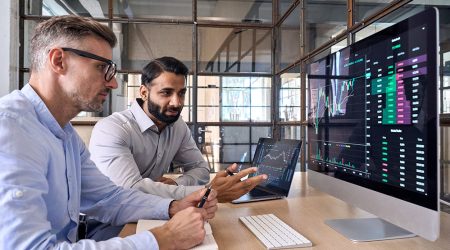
{"x": 47, "y": 179}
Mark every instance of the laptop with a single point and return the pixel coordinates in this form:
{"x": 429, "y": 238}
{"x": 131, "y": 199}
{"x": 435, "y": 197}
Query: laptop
{"x": 277, "y": 159}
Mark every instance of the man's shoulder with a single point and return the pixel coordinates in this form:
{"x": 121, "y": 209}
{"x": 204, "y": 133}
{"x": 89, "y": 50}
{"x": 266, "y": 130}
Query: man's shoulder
{"x": 118, "y": 123}
{"x": 15, "y": 105}
{"x": 18, "y": 117}
{"x": 116, "y": 118}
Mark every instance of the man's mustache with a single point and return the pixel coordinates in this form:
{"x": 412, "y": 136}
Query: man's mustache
{"x": 174, "y": 109}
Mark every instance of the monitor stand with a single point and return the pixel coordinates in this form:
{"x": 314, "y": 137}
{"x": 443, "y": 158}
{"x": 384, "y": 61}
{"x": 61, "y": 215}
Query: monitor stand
{"x": 368, "y": 229}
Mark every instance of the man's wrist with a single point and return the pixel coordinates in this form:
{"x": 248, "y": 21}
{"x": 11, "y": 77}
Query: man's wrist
{"x": 162, "y": 236}
{"x": 173, "y": 208}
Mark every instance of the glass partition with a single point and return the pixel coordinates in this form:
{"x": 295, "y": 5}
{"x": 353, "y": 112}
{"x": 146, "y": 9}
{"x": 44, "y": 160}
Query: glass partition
{"x": 283, "y": 6}
{"x": 245, "y": 99}
{"x": 365, "y": 8}
{"x": 235, "y": 11}
{"x": 167, "y": 9}
{"x": 324, "y": 20}
{"x": 234, "y": 50}
{"x": 208, "y": 99}
{"x": 142, "y": 42}
{"x": 289, "y": 100}
{"x": 96, "y": 9}
{"x": 290, "y": 39}
{"x": 28, "y": 29}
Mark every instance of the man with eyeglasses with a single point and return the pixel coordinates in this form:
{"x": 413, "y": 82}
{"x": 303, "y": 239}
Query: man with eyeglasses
{"x": 46, "y": 175}
{"x": 110, "y": 68}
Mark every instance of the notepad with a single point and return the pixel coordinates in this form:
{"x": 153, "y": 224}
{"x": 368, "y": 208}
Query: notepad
{"x": 209, "y": 243}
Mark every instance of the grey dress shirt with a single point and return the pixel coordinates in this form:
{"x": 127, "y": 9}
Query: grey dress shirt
{"x": 128, "y": 148}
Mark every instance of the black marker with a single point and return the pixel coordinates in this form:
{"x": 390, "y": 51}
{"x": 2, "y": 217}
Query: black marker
{"x": 204, "y": 198}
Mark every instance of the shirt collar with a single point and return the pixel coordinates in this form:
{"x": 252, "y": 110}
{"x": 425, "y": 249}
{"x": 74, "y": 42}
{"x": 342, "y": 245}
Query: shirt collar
{"x": 141, "y": 117}
{"x": 44, "y": 115}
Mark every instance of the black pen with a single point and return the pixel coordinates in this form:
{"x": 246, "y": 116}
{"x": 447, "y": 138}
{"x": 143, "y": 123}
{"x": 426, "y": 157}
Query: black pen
{"x": 204, "y": 198}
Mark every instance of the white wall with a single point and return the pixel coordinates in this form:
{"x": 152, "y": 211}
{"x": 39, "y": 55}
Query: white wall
{"x": 9, "y": 46}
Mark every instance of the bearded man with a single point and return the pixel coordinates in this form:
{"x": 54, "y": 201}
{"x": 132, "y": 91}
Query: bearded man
{"x": 136, "y": 147}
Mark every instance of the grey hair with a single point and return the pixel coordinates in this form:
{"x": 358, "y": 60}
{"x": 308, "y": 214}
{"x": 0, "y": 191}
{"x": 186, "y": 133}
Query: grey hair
{"x": 63, "y": 31}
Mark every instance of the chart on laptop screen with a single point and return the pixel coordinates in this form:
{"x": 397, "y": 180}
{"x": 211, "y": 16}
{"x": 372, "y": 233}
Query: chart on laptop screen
{"x": 275, "y": 158}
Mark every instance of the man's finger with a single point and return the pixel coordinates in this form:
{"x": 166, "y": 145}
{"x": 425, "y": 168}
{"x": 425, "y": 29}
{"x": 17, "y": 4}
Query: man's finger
{"x": 221, "y": 174}
{"x": 203, "y": 213}
{"x": 245, "y": 172}
{"x": 199, "y": 195}
{"x": 212, "y": 195}
{"x": 250, "y": 183}
{"x": 232, "y": 167}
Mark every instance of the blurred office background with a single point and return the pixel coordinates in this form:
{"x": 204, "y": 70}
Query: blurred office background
{"x": 247, "y": 59}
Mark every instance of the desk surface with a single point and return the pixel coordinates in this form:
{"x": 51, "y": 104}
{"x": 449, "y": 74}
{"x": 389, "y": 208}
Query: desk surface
{"x": 305, "y": 210}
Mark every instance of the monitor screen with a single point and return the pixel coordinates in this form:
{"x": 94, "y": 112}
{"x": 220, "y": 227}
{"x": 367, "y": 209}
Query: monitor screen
{"x": 372, "y": 118}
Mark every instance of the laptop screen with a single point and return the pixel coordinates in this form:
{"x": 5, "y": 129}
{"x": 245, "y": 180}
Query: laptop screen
{"x": 277, "y": 159}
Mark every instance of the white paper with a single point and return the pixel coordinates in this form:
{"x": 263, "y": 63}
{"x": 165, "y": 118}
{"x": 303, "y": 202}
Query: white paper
{"x": 209, "y": 243}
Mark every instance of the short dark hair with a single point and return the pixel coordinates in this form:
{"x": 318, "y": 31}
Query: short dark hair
{"x": 159, "y": 65}
{"x": 65, "y": 31}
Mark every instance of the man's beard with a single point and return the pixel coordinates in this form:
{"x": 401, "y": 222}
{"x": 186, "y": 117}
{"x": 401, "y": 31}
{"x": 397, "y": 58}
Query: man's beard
{"x": 89, "y": 105}
{"x": 158, "y": 113}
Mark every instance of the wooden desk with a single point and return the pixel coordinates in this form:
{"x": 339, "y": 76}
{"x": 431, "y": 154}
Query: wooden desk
{"x": 305, "y": 210}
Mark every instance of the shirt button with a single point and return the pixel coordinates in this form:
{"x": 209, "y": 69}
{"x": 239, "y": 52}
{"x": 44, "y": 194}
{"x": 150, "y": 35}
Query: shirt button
{"x": 19, "y": 194}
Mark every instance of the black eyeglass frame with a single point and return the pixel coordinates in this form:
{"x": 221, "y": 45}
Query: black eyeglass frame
{"x": 111, "y": 70}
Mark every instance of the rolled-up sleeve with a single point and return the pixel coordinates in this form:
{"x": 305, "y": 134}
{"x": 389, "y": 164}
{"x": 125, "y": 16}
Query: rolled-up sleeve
{"x": 189, "y": 157}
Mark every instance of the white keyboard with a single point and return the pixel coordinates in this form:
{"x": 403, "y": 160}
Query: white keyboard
{"x": 273, "y": 232}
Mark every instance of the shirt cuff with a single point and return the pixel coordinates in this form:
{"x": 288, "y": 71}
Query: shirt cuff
{"x": 190, "y": 189}
{"x": 167, "y": 206}
{"x": 144, "y": 240}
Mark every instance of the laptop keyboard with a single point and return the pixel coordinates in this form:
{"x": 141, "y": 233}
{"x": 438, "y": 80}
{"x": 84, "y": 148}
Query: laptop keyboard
{"x": 258, "y": 192}
{"x": 273, "y": 232}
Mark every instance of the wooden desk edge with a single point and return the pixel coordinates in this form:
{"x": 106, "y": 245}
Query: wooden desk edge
{"x": 128, "y": 229}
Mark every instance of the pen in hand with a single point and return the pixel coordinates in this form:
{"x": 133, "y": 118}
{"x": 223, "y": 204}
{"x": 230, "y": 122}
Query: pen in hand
{"x": 204, "y": 198}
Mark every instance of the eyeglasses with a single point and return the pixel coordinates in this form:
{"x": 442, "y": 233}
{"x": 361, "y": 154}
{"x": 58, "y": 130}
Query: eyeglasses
{"x": 110, "y": 71}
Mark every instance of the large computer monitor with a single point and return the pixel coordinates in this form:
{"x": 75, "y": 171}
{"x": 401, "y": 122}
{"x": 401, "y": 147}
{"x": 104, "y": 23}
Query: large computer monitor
{"x": 373, "y": 130}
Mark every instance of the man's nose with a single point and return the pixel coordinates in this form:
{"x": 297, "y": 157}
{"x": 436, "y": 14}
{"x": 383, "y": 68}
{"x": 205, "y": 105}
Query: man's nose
{"x": 112, "y": 84}
{"x": 176, "y": 101}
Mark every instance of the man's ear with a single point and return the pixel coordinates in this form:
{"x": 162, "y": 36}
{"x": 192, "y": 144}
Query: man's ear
{"x": 56, "y": 60}
{"x": 144, "y": 92}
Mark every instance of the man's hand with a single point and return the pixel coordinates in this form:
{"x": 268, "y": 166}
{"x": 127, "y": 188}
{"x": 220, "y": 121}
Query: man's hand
{"x": 192, "y": 200}
{"x": 230, "y": 188}
{"x": 168, "y": 181}
{"x": 183, "y": 231}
